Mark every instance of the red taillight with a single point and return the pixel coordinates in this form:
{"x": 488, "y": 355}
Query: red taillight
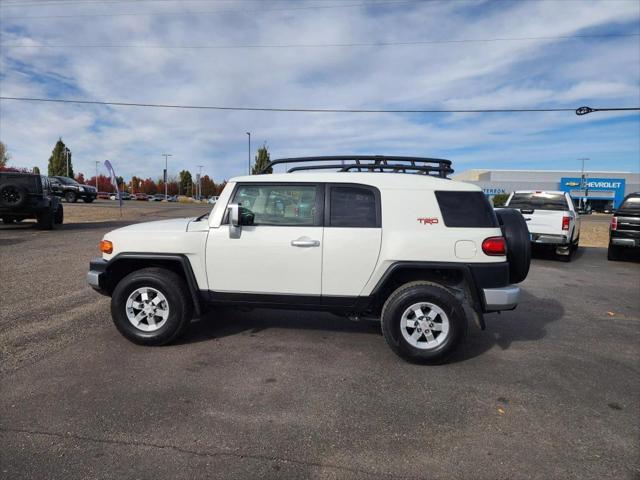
{"x": 494, "y": 246}
{"x": 565, "y": 223}
{"x": 614, "y": 223}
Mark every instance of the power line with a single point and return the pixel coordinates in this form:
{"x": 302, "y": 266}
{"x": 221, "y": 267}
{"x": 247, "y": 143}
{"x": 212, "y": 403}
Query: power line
{"x": 579, "y": 111}
{"x": 329, "y": 45}
{"x": 214, "y": 12}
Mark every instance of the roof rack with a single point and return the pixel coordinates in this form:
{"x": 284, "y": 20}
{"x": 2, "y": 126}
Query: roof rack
{"x": 370, "y": 163}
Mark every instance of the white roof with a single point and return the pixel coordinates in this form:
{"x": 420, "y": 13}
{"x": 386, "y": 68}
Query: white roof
{"x": 382, "y": 180}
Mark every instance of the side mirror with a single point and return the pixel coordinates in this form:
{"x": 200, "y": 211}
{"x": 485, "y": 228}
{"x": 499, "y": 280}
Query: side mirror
{"x": 235, "y": 229}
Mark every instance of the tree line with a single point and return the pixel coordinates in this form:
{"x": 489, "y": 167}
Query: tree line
{"x": 61, "y": 164}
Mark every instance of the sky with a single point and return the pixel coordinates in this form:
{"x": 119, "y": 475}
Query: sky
{"x": 494, "y": 67}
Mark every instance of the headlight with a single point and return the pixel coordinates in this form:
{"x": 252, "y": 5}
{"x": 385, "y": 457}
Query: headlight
{"x": 81, "y": 189}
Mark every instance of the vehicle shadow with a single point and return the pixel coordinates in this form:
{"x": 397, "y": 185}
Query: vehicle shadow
{"x": 543, "y": 253}
{"x": 528, "y": 323}
{"x": 525, "y": 324}
{"x": 224, "y": 322}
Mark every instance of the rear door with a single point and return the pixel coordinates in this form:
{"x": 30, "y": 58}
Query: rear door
{"x": 352, "y": 238}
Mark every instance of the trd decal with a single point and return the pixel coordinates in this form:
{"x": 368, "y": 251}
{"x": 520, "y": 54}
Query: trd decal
{"x": 428, "y": 221}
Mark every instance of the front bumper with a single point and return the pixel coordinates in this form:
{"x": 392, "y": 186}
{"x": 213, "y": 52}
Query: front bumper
{"x": 503, "y": 298}
{"x": 97, "y": 275}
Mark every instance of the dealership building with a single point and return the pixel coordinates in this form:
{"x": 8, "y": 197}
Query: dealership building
{"x": 601, "y": 190}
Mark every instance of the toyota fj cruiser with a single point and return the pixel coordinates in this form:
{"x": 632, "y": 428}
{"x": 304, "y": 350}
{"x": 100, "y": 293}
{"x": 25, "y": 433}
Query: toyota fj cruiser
{"x": 27, "y": 195}
{"x": 387, "y": 237}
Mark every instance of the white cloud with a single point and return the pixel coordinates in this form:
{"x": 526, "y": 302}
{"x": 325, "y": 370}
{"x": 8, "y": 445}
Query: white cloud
{"x": 466, "y": 75}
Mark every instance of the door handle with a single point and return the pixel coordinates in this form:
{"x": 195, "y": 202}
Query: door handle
{"x": 305, "y": 242}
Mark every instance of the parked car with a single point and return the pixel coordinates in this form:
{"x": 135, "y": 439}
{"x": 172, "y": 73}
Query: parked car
{"x": 71, "y": 190}
{"x": 104, "y": 195}
{"x": 27, "y": 195}
{"x": 551, "y": 218}
{"x": 213, "y": 199}
{"x": 172, "y": 198}
{"x": 424, "y": 253}
{"x": 624, "y": 231}
{"x": 123, "y": 195}
{"x": 141, "y": 196}
{"x": 158, "y": 197}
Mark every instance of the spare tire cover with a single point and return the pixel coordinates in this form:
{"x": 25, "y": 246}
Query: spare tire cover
{"x": 12, "y": 195}
{"x": 515, "y": 231}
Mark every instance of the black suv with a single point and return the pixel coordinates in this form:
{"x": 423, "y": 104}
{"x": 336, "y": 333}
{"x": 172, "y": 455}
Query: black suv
{"x": 71, "y": 190}
{"x": 26, "y": 195}
{"x": 625, "y": 227}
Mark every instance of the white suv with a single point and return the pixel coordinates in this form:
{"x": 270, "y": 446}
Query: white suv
{"x": 387, "y": 237}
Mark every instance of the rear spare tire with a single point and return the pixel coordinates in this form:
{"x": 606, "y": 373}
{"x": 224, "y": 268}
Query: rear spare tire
{"x": 12, "y": 195}
{"x": 58, "y": 217}
{"x": 515, "y": 231}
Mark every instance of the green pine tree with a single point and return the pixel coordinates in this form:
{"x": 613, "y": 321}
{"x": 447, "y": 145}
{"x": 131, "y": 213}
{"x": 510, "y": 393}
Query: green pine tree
{"x": 261, "y": 161}
{"x": 36, "y": 170}
{"x": 58, "y": 160}
{"x": 4, "y": 156}
{"x": 185, "y": 182}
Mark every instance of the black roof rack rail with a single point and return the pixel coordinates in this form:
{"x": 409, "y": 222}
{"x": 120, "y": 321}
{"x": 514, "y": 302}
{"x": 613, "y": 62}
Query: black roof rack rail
{"x": 370, "y": 163}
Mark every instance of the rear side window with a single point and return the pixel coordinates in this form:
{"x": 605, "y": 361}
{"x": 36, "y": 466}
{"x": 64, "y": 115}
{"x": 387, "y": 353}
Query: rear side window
{"x": 353, "y": 207}
{"x": 466, "y": 210}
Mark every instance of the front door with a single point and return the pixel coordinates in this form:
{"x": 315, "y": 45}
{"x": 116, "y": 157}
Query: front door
{"x": 281, "y": 253}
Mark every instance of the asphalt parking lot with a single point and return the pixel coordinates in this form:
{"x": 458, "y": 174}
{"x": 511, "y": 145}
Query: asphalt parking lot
{"x": 550, "y": 390}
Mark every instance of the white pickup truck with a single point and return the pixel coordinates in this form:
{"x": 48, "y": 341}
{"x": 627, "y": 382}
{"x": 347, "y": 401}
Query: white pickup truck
{"x": 551, "y": 218}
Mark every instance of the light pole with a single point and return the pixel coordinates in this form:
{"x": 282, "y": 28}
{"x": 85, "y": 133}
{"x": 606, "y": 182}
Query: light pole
{"x": 97, "y": 163}
{"x": 199, "y": 181}
{"x": 166, "y": 172}
{"x": 583, "y": 181}
{"x": 66, "y": 154}
{"x": 249, "y": 152}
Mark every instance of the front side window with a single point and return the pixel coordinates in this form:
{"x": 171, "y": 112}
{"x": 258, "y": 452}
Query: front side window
{"x": 290, "y": 205}
{"x": 353, "y": 207}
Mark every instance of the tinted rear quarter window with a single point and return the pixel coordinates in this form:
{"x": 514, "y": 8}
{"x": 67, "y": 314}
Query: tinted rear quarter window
{"x": 353, "y": 207}
{"x": 466, "y": 209}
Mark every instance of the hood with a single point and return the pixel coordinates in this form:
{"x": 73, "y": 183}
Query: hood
{"x": 166, "y": 226}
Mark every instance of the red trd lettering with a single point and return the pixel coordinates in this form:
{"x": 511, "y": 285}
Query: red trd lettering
{"x": 428, "y": 221}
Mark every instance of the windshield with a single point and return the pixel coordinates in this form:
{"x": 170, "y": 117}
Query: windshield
{"x": 539, "y": 201}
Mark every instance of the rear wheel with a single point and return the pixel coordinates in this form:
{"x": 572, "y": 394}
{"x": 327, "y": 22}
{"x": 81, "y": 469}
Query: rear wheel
{"x": 71, "y": 197}
{"x": 58, "y": 217}
{"x": 46, "y": 220}
{"x": 87, "y": 200}
{"x": 423, "y": 322}
{"x": 614, "y": 252}
{"x": 152, "y": 306}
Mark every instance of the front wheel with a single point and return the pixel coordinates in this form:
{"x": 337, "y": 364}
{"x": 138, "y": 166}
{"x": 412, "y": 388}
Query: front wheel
{"x": 71, "y": 197}
{"x": 151, "y": 306}
{"x": 87, "y": 200}
{"x": 423, "y": 322}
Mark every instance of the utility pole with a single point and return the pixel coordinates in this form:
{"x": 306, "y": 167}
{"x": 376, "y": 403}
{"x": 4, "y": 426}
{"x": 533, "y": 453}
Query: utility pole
{"x": 249, "y": 151}
{"x": 199, "y": 181}
{"x": 97, "y": 163}
{"x": 166, "y": 172}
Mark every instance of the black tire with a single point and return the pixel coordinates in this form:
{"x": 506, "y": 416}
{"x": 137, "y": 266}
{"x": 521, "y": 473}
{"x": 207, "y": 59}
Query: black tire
{"x": 46, "y": 220}
{"x": 8, "y": 220}
{"x": 417, "y": 292}
{"x": 515, "y": 231}
{"x": 71, "y": 197}
{"x": 566, "y": 258}
{"x": 178, "y": 300}
{"x": 58, "y": 216}
{"x": 87, "y": 200}
{"x": 12, "y": 195}
{"x": 613, "y": 253}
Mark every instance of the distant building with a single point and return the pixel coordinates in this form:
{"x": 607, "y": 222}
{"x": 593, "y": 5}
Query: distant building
{"x": 602, "y": 190}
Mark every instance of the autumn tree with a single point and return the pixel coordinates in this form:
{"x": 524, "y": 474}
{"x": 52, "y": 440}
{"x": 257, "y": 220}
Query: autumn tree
{"x": 4, "y": 156}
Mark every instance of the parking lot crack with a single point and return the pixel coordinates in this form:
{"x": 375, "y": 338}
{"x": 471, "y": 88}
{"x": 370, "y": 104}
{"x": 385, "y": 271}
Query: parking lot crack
{"x": 198, "y": 453}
